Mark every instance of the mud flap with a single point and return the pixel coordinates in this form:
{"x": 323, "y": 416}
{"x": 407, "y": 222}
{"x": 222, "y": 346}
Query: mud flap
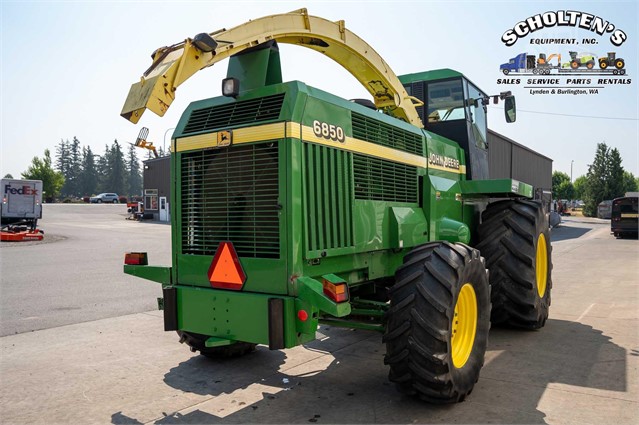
{"x": 170, "y": 309}
{"x": 275, "y": 323}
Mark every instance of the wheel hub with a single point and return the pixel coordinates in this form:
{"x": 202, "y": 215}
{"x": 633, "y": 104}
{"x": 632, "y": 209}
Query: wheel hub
{"x": 464, "y": 325}
{"x": 541, "y": 266}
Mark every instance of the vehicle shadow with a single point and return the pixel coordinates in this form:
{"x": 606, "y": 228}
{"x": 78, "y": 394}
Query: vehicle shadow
{"x": 562, "y": 233}
{"x": 347, "y": 382}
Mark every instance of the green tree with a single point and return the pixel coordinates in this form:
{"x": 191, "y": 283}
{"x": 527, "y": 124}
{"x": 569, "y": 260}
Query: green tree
{"x": 580, "y": 187}
{"x": 8, "y": 176}
{"x": 89, "y": 173}
{"x": 630, "y": 183}
{"x": 605, "y": 178}
{"x": 134, "y": 181}
{"x": 615, "y": 180}
{"x": 559, "y": 180}
{"x": 73, "y": 169}
{"x": 41, "y": 169}
{"x": 114, "y": 169}
{"x": 62, "y": 156}
{"x": 596, "y": 176}
{"x": 565, "y": 190}
{"x": 103, "y": 170}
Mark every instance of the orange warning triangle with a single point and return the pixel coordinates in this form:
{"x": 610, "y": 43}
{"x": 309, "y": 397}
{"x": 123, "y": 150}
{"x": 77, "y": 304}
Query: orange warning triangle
{"x": 226, "y": 270}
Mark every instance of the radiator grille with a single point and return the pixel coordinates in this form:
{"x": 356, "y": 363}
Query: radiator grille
{"x": 381, "y": 180}
{"x": 231, "y": 195}
{"x": 234, "y": 114}
{"x": 328, "y": 187}
{"x": 375, "y": 131}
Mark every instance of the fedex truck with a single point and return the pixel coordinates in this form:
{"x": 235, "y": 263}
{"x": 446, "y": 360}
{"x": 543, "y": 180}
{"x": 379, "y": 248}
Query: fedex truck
{"x": 21, "y": 201}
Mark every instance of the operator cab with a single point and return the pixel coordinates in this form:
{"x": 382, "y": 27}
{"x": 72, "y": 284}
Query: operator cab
{"x": 456, "y": 108}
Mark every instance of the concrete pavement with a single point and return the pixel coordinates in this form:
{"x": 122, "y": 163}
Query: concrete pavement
{"x": 581, "y": 368}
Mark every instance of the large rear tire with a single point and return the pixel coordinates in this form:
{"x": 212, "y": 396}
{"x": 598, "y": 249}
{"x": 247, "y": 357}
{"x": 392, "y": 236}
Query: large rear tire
{"x": 197, "y": 343}
{"x": 515, "y": 240}
{"x": 438, "y": 321}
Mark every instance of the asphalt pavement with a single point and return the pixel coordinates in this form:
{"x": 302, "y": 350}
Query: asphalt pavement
{"x": 581, "y": 368}
{"x": 75, "y": 273}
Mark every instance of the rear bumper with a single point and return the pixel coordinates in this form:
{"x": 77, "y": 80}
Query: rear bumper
{"x": 279, "y": 321}
{"x": 624, "y": 229}
{"x": 237, "y": 316}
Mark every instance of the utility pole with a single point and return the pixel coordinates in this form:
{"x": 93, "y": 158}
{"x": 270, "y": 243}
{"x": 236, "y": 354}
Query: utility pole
{"x": 571, "y": 161}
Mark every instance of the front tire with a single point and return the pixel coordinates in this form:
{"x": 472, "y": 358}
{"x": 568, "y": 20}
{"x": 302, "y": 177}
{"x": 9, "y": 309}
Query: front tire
{"x": 197, "y": 343}
{"x": 515, "y": 240}
{"x": 438, "y": 321}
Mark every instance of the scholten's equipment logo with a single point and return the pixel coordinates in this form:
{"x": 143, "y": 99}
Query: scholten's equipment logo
{"x": 560, "y": 63}
{"x": 563, "y": 18}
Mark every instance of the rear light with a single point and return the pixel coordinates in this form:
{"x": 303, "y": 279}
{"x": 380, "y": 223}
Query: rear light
{"x": 136, "y": 259}
{"x": 337, "y": 291}
{"x": 302, "y": 315}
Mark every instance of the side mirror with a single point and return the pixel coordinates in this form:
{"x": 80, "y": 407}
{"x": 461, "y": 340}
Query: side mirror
{"x": 510, "y": 109}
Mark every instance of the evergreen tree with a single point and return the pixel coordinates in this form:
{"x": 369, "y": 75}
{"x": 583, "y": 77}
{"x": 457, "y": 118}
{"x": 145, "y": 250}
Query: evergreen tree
{"x": 75, "y": 169}
{"x": 89, "y": 173}
{"x": 597, "y": 175}
{"x": 62, "y": 164}
{"x": 116, "y": 177}
{"x": 615, "y": 182}
{"x": 41, "y": 169}
{"x": 103, "y": 170}
{"x": 8, "y": 176}
{"x": 62, "y": 156}
{"x": 605, "y": 178}
{"x": 134, "y": 181}
{"x": 162, "y": 152}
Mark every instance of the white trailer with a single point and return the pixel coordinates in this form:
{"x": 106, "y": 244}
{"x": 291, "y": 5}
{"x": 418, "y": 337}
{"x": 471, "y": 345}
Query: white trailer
{"x": 21, "y": 201}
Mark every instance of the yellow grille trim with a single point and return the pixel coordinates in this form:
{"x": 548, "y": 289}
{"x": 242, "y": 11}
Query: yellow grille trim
{"x": 289, "y": 129}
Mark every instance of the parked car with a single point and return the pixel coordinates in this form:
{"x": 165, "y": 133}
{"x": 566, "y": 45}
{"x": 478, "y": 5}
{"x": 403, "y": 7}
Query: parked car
{"x": 104, "y": 197}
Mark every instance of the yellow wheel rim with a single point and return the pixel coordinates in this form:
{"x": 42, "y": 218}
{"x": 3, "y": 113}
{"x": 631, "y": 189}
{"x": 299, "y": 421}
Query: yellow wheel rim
{"x": 541, "y": 266}
{"x": 464, "y": 325}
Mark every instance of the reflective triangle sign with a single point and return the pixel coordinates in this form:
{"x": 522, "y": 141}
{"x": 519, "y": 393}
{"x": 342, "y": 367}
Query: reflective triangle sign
{"x": 226, "y": 270}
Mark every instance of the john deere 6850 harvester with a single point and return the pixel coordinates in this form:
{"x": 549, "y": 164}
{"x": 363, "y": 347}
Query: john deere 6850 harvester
{"x": 293, "y": 207}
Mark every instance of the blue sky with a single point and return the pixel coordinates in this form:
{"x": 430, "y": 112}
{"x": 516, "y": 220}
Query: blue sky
{"x": 67, "y": 67}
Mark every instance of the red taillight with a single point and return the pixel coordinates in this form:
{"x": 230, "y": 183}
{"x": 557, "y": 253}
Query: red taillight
{"x": 302, "y": 315}
{"x": 337, "y": 291}
{"x": 136, "y": 259}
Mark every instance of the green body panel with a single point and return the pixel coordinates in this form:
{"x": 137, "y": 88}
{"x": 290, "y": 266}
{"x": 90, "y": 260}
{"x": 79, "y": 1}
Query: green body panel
{"x": 154, "y": 273}
{"x": 497, "y": 188}
{"x": 356, "y": 190}
{"x": 256, "y": 69}
{"x": 408, "y": 227}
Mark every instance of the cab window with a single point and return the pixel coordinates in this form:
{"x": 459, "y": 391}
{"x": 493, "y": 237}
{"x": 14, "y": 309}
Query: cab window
{"x": 446, "y": 101}
{"x": 477, "y": 113}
